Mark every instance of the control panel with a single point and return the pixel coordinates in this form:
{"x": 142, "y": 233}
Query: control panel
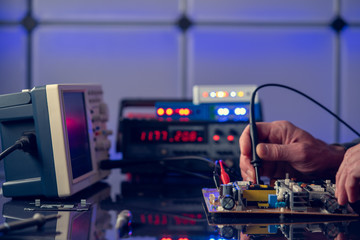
{"x": 152, "y": 139}
{"x": 99, "y": 115}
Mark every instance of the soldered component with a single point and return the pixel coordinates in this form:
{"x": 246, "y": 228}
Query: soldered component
{"x": 287, "y": 196}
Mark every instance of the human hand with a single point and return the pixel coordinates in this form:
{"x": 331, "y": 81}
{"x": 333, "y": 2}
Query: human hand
{"x": 348, "y": 177}
{"x": 285, "y": 148}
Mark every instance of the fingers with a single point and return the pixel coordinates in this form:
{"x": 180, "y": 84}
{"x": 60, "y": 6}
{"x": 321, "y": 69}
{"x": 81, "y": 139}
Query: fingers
{"x": 245, "y": 142}
{"x": 247, "y": 170}
{"x": 279, "y": 152}
{"x": 348, "y": 177}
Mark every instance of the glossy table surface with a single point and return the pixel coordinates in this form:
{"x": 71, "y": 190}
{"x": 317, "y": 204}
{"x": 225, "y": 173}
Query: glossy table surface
{"x": 161, "y": 208}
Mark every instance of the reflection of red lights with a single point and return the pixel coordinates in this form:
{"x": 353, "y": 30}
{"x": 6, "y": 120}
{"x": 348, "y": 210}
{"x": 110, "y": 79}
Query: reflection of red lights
{"x": 216, "y": 138}
{"x": 230, "y": 138}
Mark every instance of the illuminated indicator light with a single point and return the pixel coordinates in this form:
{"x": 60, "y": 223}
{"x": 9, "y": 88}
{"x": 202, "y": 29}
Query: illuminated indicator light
{"x": 241, "y": 94}
{"x": 160, "y": 111}
{"x": 232, "y": 94}
{"x": 212, "y": 94}
{"x": 169, "y": 111}
{"x": 151, "y": 136}
{"x": 200, "y": 139}
{"x": 220, "y": 94}
{"x": 183, "y": 239}
{"x": 216, "y": 138}
{"x": 184, "y": 112}
{"x": 205, "y": 94}
{"x": 143, "y": 136}
{"x": 230, "y": 138}
{"x": 226, "y": 94}
{"x": 223, "y": 111}
{"x": 164, "y": 135}
{"x": 157, "y": 220}
{"x": 240, "y": 111}
{"x": 157, "y": 135}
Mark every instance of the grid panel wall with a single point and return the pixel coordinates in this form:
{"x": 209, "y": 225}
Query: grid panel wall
{"x": 161, "y": 48}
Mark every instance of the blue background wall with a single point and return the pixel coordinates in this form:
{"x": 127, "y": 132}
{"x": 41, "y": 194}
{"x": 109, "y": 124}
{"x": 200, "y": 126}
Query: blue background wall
{"x": 161, "y": 48}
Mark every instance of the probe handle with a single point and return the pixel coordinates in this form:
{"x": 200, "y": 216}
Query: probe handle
{"x": 256, "y": 160}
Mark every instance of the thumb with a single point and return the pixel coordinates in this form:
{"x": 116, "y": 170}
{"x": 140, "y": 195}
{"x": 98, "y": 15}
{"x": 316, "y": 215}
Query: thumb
{"x": 274, "y": 152}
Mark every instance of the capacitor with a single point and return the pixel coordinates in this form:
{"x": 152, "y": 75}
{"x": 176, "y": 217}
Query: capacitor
{"x": 227, "y": 200}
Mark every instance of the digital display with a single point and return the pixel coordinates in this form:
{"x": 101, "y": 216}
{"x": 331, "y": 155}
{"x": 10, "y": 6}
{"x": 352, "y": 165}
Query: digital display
{"x": 168, "y": 136}
{"x": 77, "y": 131}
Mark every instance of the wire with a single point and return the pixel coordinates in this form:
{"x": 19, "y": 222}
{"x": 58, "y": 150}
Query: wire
{"x": 10, "y": 149}
{"x": 27, "y": 143}
{"x": 256, "y": 161}
{"x": 110, "y": 164}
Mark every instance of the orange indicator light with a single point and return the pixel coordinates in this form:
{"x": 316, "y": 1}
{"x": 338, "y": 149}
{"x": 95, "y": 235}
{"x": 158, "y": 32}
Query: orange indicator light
{"x": 160, "y": 111}
{"x": 169, "y": 111}
{"x": 205, "y": 94}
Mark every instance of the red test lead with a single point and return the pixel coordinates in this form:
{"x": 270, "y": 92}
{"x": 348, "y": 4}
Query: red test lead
{"x": 224, "y": 176}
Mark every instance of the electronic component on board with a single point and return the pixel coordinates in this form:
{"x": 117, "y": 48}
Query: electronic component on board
{"x": 69, "y": 121}
{"x": 287, "y": 197}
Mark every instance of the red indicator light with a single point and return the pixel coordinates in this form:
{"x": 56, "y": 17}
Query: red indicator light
{"x": 192, "y": 136}
{"x": 151, "y": 136}
{"x": 157, "y": 220}
{"x": 216, "y": 138}
{"x": 200, "y": 139}
{"x": 186, "y": 112}
{"x": 164, "y": 135}
{"x": 160, "y": 111}
{"x": 157, "y": 135}
{"x": 205, "y": 94}
{"x": 230, "y": 138}
{"x": 169, "y": 112}
{"x": 143, "y": 136}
